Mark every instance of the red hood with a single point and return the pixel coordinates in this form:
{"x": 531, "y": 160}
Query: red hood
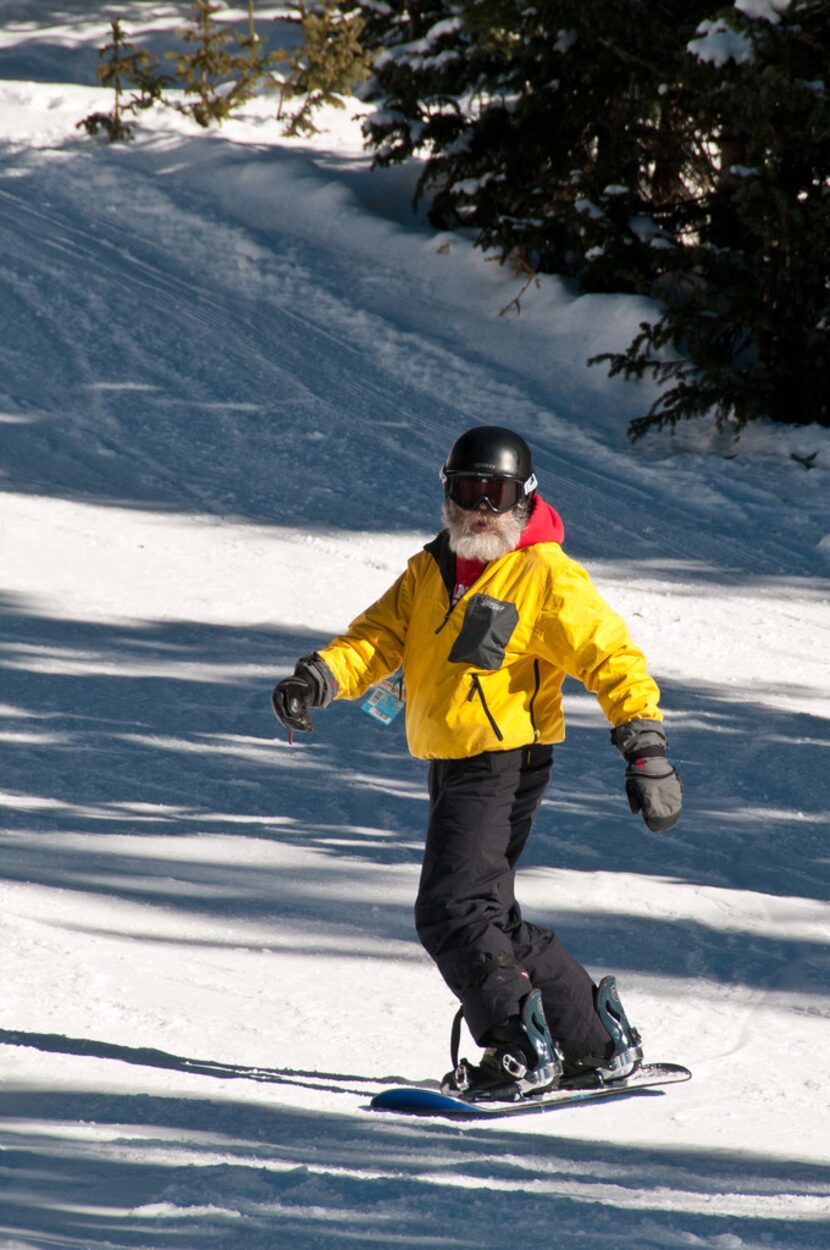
{"x": 545, "y": 525}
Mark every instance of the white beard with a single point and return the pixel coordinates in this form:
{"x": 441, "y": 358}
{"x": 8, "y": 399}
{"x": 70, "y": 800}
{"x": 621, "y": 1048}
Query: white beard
{"x": 465, "y": 542}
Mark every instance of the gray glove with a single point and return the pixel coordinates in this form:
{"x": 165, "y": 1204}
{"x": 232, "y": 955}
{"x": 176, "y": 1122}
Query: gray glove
{"x": 313, "y": 685}
{"x": 651, "y": 784}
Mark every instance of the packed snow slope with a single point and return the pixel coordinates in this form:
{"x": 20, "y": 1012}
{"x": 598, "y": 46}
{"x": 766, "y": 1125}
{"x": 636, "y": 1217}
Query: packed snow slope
{"x": 230, "y": 367}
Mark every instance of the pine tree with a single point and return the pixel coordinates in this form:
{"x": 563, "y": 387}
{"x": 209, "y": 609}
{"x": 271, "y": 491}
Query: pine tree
{"x": 745, "y": 332}
{"x": 623, "y": 144}
{"x": 126, "y": 64}
{"x": 220, "y": 79}
{"x": 326, "y": 66}
{"x": 550, "y": 129}
{"x": 255, "y": 64}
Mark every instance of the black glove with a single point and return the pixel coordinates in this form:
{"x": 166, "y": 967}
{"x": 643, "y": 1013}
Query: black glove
{"x": 651, "y": 784}
{"x": 313, "y": 685}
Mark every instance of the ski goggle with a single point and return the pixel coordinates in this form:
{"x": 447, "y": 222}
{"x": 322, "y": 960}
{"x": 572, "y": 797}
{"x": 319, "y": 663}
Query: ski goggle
{"x": 499, "y": 493}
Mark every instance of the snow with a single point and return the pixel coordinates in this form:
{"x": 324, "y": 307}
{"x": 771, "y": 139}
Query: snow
{"x": 766, "y": 10}
{"x": 230, "y": 368}
{"x": 718, "y": 43}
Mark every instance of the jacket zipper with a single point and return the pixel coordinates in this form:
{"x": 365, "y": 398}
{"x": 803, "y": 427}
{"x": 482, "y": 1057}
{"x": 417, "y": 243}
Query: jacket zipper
{"x": 476, "y": 689}
{"x": 537, "y": 682}
{"x": 453, "y": 606}
{"x": 450, "y": 611}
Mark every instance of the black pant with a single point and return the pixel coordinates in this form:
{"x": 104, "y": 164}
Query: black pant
{"x": 467, "y": 917}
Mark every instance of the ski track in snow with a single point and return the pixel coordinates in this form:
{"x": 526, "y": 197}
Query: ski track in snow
{"x": 230, "y": 367}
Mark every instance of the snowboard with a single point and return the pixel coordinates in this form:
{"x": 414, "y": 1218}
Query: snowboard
{"x": 421, "y": 1100}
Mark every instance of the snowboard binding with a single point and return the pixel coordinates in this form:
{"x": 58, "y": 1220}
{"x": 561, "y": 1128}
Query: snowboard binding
{"x": 521, "y": 1059}
{"x": 627, "y": 1054}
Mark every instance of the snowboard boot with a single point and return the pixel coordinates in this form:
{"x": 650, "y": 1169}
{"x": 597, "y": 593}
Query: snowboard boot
{"x": 624, "y": 1054}
{"x": 520, "y": 1059}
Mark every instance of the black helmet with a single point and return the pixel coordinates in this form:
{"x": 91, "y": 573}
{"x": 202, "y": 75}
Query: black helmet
{"x": 491, "y": 451}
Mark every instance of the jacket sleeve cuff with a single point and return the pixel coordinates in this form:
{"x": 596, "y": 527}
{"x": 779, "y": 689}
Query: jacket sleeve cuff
{"x": 321, "y": 677}
{"x": 638, "y": 737}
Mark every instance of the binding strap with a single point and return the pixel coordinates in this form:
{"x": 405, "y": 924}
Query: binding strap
{"x": 475, "y": 977}
{"x": 455, "y": 1037}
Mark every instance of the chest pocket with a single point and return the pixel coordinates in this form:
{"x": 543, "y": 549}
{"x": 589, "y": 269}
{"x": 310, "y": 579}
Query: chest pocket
{"x": 488, "y": 627}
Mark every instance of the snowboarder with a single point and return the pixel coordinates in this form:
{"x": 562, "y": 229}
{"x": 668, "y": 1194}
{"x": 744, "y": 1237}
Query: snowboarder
{"x": 487, "y": 620}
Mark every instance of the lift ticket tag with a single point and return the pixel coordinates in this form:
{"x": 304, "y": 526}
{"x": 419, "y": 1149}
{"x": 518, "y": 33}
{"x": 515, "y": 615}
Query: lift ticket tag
{"x": 385, "y": 701}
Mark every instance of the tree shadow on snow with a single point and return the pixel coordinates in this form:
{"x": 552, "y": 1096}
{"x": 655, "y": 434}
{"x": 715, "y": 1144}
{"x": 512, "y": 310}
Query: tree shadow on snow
{"x": 145, "y": 732}
{"x": 118, "y": 1171}
{"x": 36, "y": 56}
{"x": 275, "y": 375}
{"x": 249, "y": 403}
{"x": 151, "y": 1057}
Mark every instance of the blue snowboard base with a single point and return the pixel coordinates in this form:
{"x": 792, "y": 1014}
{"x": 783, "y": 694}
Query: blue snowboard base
{"x": 418, "y": 1100}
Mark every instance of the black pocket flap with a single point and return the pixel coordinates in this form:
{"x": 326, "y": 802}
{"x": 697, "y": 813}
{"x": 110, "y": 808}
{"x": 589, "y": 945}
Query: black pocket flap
{"x": 487, "y": 629}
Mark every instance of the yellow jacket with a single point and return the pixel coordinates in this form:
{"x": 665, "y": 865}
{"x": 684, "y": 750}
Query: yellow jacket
{"x": 487, "y": 674}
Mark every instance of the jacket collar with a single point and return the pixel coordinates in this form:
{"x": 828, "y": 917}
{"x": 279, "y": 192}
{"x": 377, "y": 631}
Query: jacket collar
{"x": 544, "y": 526}
{"x": 439, "y": 549}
